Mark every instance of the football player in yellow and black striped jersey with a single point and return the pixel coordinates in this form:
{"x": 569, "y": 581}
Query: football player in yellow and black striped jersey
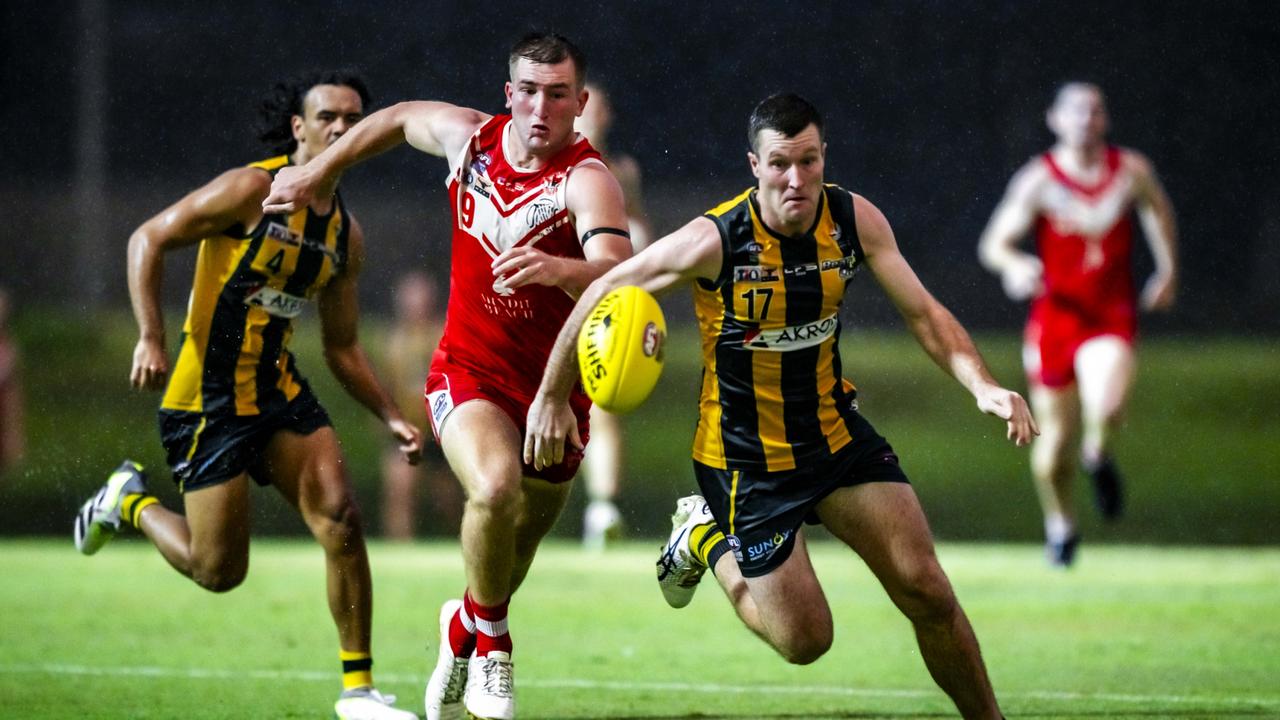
{"x": 236, "y": 405}
{"x": 779, "y": 440}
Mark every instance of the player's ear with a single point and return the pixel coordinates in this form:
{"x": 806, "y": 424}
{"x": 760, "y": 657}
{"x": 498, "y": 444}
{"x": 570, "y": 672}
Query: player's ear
{"x": 583, "y": 96}
{"x": 507, "y": 90}
{"x": 296, "y": 123}
{"x": 754, "y": 162}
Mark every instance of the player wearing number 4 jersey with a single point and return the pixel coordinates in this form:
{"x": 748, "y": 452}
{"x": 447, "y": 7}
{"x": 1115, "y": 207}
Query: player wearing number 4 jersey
{"x": 779, "y": 442}
{"x": 1079, "y": 197}
{"x": 236, "y": 405}
{"x": 536, "y": 217}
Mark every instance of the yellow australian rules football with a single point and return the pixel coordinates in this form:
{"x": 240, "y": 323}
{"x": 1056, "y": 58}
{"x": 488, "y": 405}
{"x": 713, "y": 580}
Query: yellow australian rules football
{"x": 620, "y": 349}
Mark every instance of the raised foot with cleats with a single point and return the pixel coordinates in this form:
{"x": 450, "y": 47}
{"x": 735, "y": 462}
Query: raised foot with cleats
{"x": 99, "y": 517}
{"x": 449, "y": 679}
{"x": 491, "y": 687}
{"x": 679, "y": 569}
{"x": 369, "y": 704}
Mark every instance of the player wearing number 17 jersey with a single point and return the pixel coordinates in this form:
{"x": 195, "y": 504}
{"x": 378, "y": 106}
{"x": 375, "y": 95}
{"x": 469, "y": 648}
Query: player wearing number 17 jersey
{"x": 779, "y": 443}
{"x": 536, "y": 217}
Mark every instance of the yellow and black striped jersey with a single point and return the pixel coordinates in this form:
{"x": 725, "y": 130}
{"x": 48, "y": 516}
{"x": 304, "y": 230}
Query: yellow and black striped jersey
{"x": 772, "y": 391}
{"x": 248, "y": 288}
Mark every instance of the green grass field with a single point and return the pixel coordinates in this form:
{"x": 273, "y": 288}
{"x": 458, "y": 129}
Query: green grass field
{"x": 1201, "y": 448}
{"x": 1132, "y": 632}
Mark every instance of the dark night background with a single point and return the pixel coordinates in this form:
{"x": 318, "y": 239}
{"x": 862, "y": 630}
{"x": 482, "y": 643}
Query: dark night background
{"x": 930, "y": 107}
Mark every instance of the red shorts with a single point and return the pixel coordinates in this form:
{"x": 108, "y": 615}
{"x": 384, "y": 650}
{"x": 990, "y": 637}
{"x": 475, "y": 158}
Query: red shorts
{"x": 449, "y": 385}
{"x": 1054, "y": 333}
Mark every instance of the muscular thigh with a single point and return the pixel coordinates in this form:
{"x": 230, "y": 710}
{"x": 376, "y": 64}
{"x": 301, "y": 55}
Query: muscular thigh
{"x": 482, "y": 445}
{"x": 218, "y": 518}
{"x": 884, "y": 523}
{"x": 790, "y": 595}
{"x": 307, "y": 469}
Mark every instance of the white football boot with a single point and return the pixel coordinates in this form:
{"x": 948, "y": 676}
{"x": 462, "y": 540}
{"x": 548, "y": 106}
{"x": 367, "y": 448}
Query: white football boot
{"x": 491, "y": 692}
{"x": 449, "y": 678}
{"x": 99, "y": 517}
{"x": 679, "y": 570}
{"x": 368, "y": 704}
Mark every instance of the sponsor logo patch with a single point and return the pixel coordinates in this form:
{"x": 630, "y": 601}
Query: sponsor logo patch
{"x": 275, "y": 302}
{"x": 539, "y": 212}
{"x": 792, "y": 337}
{"x": 764, "y": 549}
{"x": 755, "y": 273}
{"x": 440, "y": 404}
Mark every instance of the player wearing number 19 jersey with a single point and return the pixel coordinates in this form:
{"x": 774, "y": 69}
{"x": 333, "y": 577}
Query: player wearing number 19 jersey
{"x": 494, "y": 333}
{"x": 536, "y": 217}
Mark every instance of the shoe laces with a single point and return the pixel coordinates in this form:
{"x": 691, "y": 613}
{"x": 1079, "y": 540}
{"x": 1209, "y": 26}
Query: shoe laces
{"x": 457, "y": 682}
{"x": 497, "y": 677}
{"x": 668, "y": 562}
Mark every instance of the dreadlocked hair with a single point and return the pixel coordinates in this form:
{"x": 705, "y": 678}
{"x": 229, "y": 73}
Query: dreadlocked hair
{"x": 276, "y": 111}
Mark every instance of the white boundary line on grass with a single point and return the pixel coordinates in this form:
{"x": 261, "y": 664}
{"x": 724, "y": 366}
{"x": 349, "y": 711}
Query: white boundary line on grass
{"x": 628, "y": 686}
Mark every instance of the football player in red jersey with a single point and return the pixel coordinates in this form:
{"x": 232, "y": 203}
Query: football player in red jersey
{"x": 536, "y": 217}
{"x": 1078, "y": 348}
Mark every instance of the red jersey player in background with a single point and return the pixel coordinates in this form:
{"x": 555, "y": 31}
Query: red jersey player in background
{"x": 1078, "y": 346}
{"x": 536, "y": 217}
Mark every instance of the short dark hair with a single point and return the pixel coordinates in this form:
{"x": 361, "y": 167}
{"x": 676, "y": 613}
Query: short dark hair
{"x": 549, "y": 48}
{"x": 786, "y": 113}
{"x": 286, "y": 98}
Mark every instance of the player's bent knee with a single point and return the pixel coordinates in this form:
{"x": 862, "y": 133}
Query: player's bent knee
{"x": 220, "y": 577}
{"x": 806, "y": 648}
{"x": 925, "y": 594}
{"x": 495, "y": 497}
{"x": 337, "y": 523}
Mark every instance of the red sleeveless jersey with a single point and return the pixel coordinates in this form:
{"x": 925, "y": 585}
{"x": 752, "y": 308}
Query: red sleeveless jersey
{"x": 1085, "y": 237}
{"x": 493, "y": 331}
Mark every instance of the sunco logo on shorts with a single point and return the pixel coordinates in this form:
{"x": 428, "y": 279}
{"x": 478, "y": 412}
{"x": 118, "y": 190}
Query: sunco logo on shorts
{"x": 275, "y": 302}
{"x": 766, "y": 548}
{"x": 793, "y": 337}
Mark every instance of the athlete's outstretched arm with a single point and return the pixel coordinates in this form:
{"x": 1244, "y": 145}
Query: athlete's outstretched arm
{"x": 694, "y": 251}
{"x": 233, "y": 198}
{"x": 1155, "y": 212}
{"x": 1021, "y": 273}
{"x": 339, "y": 319}
{"x": 597, "y": 208}
{"x": 937, "y": 330}
{"x": 436, "y": 128}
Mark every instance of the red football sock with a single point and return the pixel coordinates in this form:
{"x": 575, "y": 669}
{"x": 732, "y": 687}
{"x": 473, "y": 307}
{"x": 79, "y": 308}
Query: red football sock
{"x": 462, "y": 630}
{"x": 491, "y": 626}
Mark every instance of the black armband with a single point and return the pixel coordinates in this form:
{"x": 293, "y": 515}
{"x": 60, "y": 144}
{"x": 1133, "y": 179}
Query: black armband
{"x": 602, "y": 231}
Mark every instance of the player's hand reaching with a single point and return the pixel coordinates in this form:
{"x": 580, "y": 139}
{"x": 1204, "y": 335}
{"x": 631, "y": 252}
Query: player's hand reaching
{"x": 549, "y": 424}
{"x": 527, "y": 265}
{"x": 292, "y": 189}
{"x": 1012, "y": 408}
{"x": 1159, "y": 292}
{"x": 409, "y": 437}
{"x": 150, "y": 365}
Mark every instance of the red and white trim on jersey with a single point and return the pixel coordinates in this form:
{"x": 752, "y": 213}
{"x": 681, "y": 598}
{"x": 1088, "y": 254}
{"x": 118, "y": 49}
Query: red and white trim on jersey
{"x": 501, "y": 334}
